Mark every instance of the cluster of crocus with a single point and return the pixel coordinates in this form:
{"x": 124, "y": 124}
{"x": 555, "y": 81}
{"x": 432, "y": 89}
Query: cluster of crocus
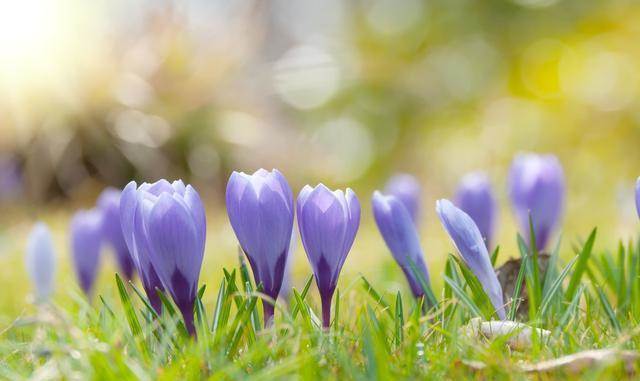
{"x": 536, "y": 188}
{"x": 261, "y": 211}
{"x": 401, "y": 236}
{"x": 40, "y": 261}
{"x": 164, "y": 226}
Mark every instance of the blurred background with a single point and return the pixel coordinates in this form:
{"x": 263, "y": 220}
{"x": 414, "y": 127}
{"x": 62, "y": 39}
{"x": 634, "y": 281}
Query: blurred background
{"x": 97, "y": 93}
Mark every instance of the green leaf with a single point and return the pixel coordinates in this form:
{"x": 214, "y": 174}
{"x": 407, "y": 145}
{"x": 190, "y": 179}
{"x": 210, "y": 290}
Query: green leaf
{"x": 494, "y": 255}
{"x": 480, "y": 297}
{"x": 517, "y": 291}
{"x": 376, "y": 296}
{"x": 218, "y": 323}
{"x": 399, "y": 321}
{"x": 463, "y": 297}
{"x": 305, "y": 290}
{"x": 556, "y": 287}
{"x": 581, "y": 265}
{"x": 130, "y": 312}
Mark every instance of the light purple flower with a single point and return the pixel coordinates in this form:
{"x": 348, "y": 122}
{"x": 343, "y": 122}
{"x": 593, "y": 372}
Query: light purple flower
{"x": 328, "y": 222}
{"x": 86, "y": 244}
{"x": 11, "y": 178}
{"x": 260, "y": 209}
{"x": 467, "y": 239}
{"x": 168, "y": 227}
{"x": 537, "y": 188}
{"x": 40, "y": 261}
{"x": 400, "y": 235}
{"x": 109, "y": 204}
{"x": 638, "y": 196}
{"x": 475, "y": 197}
{"x": 407, "y": 189}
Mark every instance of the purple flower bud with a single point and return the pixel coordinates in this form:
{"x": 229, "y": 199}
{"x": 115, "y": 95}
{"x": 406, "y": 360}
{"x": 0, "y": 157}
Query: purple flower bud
{"x": 169, "y": 228}
{"x": 328, "y": 222}
{"x": 109, "y": 204}
{"x": 468, "y": 241}
{"x": 407, "y": 189}
{"x": 400, "y": 234}
{"x": 11, "y": 181}
{"x": 475, "y": 197}
{"x": 260, "y": 209}
{"x": 638, "y": 196}
{"x": 86, "y": 243}
{"x": 130, "y": 215}
{"x": 41, "y": 261}
{"x": 536, "y": 188}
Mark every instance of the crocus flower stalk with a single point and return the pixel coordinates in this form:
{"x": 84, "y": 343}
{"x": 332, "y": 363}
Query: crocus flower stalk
{"x": 468, "y": 241}
{"x": 407, "y": 189}
{"x": 401, "y": 236}
{"x": 475, "y": 197}
{"x": 168, "y": 228}
{"x": 40, "y": 261}
{"x": 109, "y": 204}
{"x": 86, "y": 244}
{"x": 260, "y": 209}
{"x": 328, "y": 222}
{"x": 537, "y": 190}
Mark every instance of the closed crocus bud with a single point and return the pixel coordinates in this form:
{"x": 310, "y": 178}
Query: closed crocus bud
{"x": 638, "y": 196}
{"x": 109, "y": 204}
{"x": 536, "y": 188}
{"x": 40, "y": 261}
{"x": 400, "y": 235}
{"x": 475, "y": 197}
{"x": 130, "y": 215}
{"x": 260, "y": 209}
{"x": 328, "y": 222}
{"x": 169, "y": 228}
{"x": 468, "y": 241}
{"x": 407, "y": 189}
{"x": 86, "y": 243}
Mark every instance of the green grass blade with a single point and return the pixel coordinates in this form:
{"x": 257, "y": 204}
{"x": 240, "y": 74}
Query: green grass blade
{"x": 303, "y": 295}
{"x": 517, "y": 291}
{"x": 556, "y": 287}
{"x": 399, "y": 321}
{"x": 376, "y": 296}
{"x": 130, "y": 312}
{"x": 581, "y": 265}
{"x": 463, "y": 297}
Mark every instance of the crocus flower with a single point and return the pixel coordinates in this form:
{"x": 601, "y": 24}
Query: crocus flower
{"x": 328, "y": 222}
{"x": 536, "y": 188}
{"x": 11, "y": 182}
{"x": 41, "y": 261}
{"x": 475, "y": 197}
{"x": 468, "y": 241}
{"x": 166, "y": 225}
{"x": 109, "y": 204}
{"x": 407, "y": 189}
{"x": 400, "y": 235}
{"x": 260, "y": 209}
{"x": 638, "y": 196}
{"x": 86, "y": 243}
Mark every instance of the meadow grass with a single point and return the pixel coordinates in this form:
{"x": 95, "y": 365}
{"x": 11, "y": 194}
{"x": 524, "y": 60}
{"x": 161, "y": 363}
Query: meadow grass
{"x": 586, "y": 300}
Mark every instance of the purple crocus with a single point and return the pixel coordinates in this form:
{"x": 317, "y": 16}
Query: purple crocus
{"x": 407, "y": 189}
{"x": 260, "y": 209}
{"x": 400, "y": 235}
{"x": 467, "y": 239}
{"x": 109, "y": 204}
{"x": 40, "y": 261}
{"x": 638, "y": 196}
{"x": 166, "y": 225}
{"x": 537, "y": 188}
{"x": 328, "y": 222}
{"x": 475, "y": 197}
{"x": 86, "y": 244}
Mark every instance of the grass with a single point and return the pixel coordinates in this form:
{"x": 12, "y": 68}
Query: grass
{"x": 590, "y": 301}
